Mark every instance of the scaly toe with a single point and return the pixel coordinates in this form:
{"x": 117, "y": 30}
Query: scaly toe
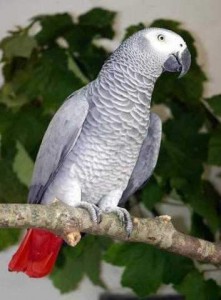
{"x": 93, "y": 210}
{"x": 124, "y": 218}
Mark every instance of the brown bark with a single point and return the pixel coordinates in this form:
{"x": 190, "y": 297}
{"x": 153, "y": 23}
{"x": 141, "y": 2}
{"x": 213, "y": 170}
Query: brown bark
{"x": 62, "y": 220}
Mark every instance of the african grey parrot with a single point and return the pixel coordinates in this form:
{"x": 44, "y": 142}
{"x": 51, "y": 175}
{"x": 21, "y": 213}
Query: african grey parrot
{"x": 103, "y": 143}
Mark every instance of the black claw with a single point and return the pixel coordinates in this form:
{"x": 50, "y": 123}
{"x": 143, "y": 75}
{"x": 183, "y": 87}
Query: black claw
{"x": 98, "y": 214}
{"x": 128, "y": 228}
{"x": 126, "y": 221}
{"x": 99, "y": 219}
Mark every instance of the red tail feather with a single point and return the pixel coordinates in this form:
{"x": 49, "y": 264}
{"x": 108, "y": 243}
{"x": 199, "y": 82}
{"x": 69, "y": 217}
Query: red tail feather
{"x": 37, "y": 253}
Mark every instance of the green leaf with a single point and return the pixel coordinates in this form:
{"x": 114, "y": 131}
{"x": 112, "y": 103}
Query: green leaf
{"x": 147, "y": 267}
{"x": 184, "y": 150}
{"x": 118, "y": 254}
{"x": 12, "y": 67}
{"x": 215, "y": 104}
{"x": 74, "y": 263}
{"x": 177, "y": 169}
{"x": 53, "y": 26}
{"x": 72, "y": 66}
{"x": 79, "y": 38}
{"x": 205, "y": 201}
{"x": 11, "y": 191}
{"x": 143, "y": 266}
{"x": 20, "y": 45}
{"x": 214, "y": 153}
{"x": 23, "y": 165}
{"x": 8, "y": 237}
{"x": 195, "y": 287}
{"x": 92, "y": 261}
{"x": 9, "y": 97}
{"x": 58, "y": 83}
{"x": 91, "y": 60}
{"x": 88, "y": 57}
{"x": 26, "y": 126}
{"x": 69, "y": 276}
{"x": 99, "y": 18}
{"x": 176, "y": 267}
{"x": 144, "y": 272}
{"x": 151, "y": 193}
{"x": 97, "y": 23}
{"x": 200, "y": 229}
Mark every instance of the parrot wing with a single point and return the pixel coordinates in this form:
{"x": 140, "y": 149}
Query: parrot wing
{"x": 60, "y": 137}
{"x": 147, "y": 158}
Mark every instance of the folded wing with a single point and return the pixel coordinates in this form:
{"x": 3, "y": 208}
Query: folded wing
{"x": 147, "y": 158}
{"x": 60, "y": 137}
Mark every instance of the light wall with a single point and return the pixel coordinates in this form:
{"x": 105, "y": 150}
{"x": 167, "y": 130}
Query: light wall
{"x": 201, "y": 17}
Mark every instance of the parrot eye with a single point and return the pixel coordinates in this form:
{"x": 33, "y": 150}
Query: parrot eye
{"x": 161, "y": 37}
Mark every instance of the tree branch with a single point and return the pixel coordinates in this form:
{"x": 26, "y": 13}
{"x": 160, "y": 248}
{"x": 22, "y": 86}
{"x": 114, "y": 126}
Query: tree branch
{"x": 62, "y": 219}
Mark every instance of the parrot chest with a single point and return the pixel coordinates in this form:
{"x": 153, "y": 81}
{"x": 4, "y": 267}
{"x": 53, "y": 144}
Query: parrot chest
{"x": 104, "y": 164}
{"x": 109, "y": 144}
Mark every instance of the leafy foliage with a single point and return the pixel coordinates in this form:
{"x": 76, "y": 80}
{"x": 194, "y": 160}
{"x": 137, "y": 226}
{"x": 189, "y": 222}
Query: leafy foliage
{"x": 205, "y": 289}
{"x": 215, "y": 104}
{"x": 73, "y": 263}
{"x": 146, "y": 268}
{"x": 215, "y": 147}
{"x": 40, "y": 71}
{"x": 143, "y": 266}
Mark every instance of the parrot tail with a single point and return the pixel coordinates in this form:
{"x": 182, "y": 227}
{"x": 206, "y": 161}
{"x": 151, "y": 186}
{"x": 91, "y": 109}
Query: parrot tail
{"x": 37, "y": 253}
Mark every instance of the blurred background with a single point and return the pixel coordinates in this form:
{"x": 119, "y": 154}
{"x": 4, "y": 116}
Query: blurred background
{"x": 199, "y": 17}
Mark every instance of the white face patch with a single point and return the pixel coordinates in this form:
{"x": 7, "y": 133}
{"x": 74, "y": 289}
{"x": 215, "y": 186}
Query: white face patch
{"x": 165, "y": 41}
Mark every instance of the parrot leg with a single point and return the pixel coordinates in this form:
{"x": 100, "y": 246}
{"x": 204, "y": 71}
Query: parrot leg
{"x": 108, "y": 204}
{"x": 69, "y": 192}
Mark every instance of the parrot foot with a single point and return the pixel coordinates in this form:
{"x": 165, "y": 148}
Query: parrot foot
{"x": 124, "y": 217}
{"x": 93, "y": 210}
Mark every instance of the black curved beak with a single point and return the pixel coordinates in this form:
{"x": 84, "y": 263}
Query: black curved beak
{"x": 179, "y": 62}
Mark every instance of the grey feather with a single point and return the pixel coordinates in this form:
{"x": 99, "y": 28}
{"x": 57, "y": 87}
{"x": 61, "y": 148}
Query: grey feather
{"x": 147, "y": 158}
{"x": 102, "y": 153}
{"x": 59, "y": 139}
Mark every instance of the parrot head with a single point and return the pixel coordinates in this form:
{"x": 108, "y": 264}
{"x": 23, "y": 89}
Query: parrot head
{"x": 155, "y": 50}
{"x": 170, "y": 48}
